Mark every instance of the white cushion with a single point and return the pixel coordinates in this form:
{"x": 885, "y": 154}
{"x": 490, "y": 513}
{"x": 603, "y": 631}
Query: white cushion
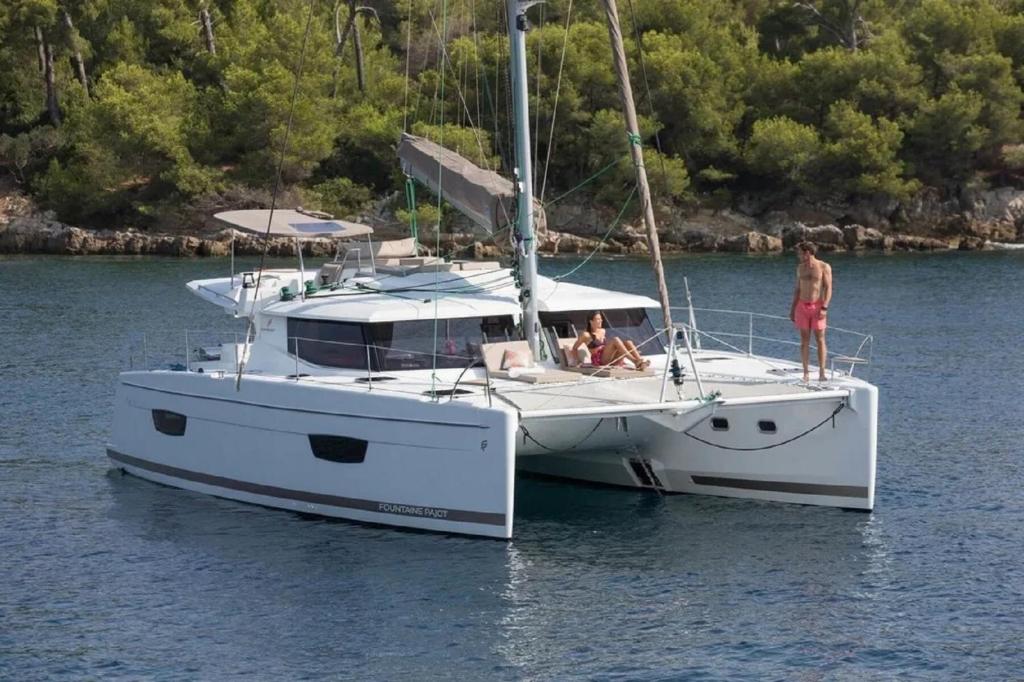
{"x": 396, "y": 248}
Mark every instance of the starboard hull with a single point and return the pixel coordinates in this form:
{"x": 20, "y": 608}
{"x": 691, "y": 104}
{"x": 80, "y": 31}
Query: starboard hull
{"x": 809, "y": 458}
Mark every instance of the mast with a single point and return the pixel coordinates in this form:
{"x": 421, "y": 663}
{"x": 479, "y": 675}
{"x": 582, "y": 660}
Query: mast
{"x": 637, "y": 152}
{"x": 518, "y": 25}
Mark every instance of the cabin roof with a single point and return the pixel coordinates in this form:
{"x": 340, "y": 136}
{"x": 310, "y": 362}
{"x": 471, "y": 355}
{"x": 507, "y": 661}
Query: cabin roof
{"x": 410, "y": 297}
{"x": 471, "y": 293}
{"x": 554, "y": 296}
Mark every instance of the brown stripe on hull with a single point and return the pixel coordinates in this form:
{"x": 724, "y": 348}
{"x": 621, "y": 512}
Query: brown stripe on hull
{"x": 398, "y": 509}
{"x": 783, "y": 486}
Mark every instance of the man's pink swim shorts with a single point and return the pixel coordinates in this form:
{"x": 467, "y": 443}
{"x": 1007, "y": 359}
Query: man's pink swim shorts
{"x": 808, "y": 316}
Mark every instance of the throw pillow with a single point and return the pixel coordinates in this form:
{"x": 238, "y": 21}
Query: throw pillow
{"x": 515, "y": 359}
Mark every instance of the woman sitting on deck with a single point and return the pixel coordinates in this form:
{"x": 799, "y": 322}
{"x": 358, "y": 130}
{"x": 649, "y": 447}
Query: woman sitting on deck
{"x": 605, "y": 351}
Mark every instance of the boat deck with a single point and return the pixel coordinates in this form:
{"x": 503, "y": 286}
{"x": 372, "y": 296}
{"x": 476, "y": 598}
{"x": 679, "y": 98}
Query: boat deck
{"x": 747, "y": 378}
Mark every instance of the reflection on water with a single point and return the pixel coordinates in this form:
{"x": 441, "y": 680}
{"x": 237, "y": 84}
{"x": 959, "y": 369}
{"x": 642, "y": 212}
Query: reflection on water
{"x": 106, "y": 576}
{"x": 675, "y": 574}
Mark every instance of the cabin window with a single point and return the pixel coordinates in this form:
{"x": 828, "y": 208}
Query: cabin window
{"x": 630, "y": 324}
{"x": 719, "y": 423}
{"x": 169, "y": 423}
{"x": 328, "y": 343}
{"x": 410, "y": 345}
{"x": 341, "y": 449}
{"x": 395, "y": 346}
{"x": 766, "y": 426}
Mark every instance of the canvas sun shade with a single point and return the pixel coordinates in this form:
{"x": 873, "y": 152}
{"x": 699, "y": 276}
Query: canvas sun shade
{"x": 483, "y": 196}
{"x": 292, "y": 223}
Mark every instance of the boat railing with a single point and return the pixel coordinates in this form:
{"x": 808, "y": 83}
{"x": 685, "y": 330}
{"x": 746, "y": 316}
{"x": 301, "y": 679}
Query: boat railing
{"x": 192, "y": 350}
{"x": 181, "y": 350}
{"x": 760, "y": 334}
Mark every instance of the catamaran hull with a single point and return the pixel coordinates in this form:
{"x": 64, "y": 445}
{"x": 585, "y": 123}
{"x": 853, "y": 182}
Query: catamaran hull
{"x": 811, "y": 457}
{"x": 372, "y": 458}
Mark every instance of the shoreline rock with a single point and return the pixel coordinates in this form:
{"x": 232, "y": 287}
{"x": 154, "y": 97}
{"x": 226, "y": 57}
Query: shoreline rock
{"x": 991, "y": 218}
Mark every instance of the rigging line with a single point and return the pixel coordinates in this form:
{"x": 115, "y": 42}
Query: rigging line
{"x": 408, "y": 57}
{"x": 277, "y": 187}
{"x": 489, "y": 237}
{"x": 554, "y": 110}
{"x": 600, "y": 243}
{"x": 507, "y": 80}
{"x": 440, "y": 193}
{"x": 495, "y": 285}
{"x": 462, "y": 97}
{"x": 832, "y": 417}
{"x": 419, "y": 85}
{"x": 714, "y": 338}
{"x": 587, "y": 181}
{"x": 647, "y": 87}
{"x": 526, "y": 434}
{"x": 476, "y": 61}
{"x": 468, "y": 275}
{"x": 437, "y": 85}
{"x": 536, "y": 113}
{"x": 491, "y": 97}
{"x": 381, "y": 278}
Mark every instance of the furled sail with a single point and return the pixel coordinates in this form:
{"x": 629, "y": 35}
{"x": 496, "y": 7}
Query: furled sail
{"x": 483, "y": 196}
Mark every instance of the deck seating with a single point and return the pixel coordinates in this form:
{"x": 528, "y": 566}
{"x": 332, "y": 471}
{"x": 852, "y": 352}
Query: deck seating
{"x": 582, "y": 365}
{"x": 497, "y": 357}
{"x": 383, "y": 254}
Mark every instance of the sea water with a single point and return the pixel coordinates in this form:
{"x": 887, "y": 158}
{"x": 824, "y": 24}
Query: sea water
{"x": 105, "y": 576}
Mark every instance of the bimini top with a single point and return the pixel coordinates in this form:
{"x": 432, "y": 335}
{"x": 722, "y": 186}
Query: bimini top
{"x": 292, "y": 223}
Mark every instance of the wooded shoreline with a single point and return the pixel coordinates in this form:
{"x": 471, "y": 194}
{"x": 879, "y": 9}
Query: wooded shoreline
{"x": 757, "y": 118}
{"x": 992, "y": 217}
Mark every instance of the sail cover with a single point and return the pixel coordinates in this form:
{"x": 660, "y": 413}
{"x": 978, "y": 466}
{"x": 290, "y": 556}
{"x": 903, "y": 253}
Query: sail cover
{"x": 292, "y": 223}
{"x": 483, "y": 196}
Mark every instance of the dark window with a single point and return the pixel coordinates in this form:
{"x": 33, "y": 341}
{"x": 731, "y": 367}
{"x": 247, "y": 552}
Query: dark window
{"x": 766, "y": 426}
{"x": 395, "y": 345}
{"x": 340, "y": 449}
{"x": 332, "y": 344}
{"x": 719, "y": 423}
{"x": 170, "y": 423}
{"x": 410, "y": 345}
{"x": 630, "y": 324}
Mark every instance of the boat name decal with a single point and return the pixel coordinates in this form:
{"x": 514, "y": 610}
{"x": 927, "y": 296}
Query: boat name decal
{"x": 406, "y": 510}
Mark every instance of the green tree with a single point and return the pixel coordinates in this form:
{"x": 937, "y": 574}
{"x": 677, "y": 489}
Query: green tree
{"x": 859, "y": 156}
{"x": 943, "y": 137}
{"x": 784, "y": 151}
{"x": 131, "y": 142}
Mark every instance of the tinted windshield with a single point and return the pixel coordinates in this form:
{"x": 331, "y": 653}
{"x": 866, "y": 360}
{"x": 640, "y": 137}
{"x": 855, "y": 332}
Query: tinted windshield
{"x": 410, "y": 345}
{"x": 391, "y": 346}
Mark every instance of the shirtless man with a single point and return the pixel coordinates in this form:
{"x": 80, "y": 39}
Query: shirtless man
{"x": 810, "y": 304}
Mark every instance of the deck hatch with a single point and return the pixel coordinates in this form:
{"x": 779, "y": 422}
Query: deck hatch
{"x": 169, "y": 423}
{"x": 341, "y": 449}
{"x": 448, "y": 392}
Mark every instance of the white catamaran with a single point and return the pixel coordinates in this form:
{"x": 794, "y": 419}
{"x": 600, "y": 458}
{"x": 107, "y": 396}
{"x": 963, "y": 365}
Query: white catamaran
{"x": 398, "y": 389}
